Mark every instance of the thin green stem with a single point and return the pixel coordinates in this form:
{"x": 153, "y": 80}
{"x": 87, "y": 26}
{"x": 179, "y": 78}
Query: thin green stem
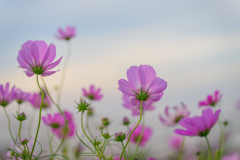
{"x": 39, "y": 118}
{"x": 181, "y": 149}
{"x": 124, "y": 150}
{"x": 103, "y": 147}
{"x": 65, "y": 120}
{"x": 141, "y": 135}
{"x": 132, "y": 131}
{"x": 20, "y": 126}
{"x": 220, "y": 140}
{"x": 31, "y": 122}
{"x": 60, "y": 87}
{"x": 129, "y": 149}
{"x": 83, "y": 128}
{"x": 87, "y": 126}
{"x": 9, "y": 125}
{"x": 209, "y": 149}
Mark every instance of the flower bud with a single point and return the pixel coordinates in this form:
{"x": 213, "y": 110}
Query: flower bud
{"x": 105, "y": 122}
{"x": 82, "y": 106}
{"x": 25, "y": 141}
{"x": 90, "y": 111}
{"x": 225, "y": 123}
{"x": 106, "y": 135}
{"x": 119, "y": 136}
{"x": 21, "y": 117}
{"x": 126, "y": 121}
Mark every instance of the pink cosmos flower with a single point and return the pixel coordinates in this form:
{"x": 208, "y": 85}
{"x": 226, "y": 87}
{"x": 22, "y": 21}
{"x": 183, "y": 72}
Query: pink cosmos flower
{"x": 118, "y": 158}
{"x": 36, "y": 100}
{"x": 142, "y": 85}
{"x": 67, "y": 34}
{"x": 57, "y": 123}
{"x": 21, "y": 96}
{"x": 211, "y": 100}
{"x": 135, "y": 109}
{"x": 6, "y": 95}
{"x": 172, "y": 119}
{"x": 198, "y": 125}
{"x": 233, "y": 156}
{"x": 92, "y": 94}
{"x": 175, "y": 142}
{"x": 150, "y": 158}
{"x": 37, "y": 57}
{"x": 147, "y": 133}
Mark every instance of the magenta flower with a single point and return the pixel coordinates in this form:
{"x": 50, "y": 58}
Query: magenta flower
{"x": 92, "y": 94}
{"x": 198, "y": 125}
{"x": 67, "y": 34}
{"x": 118, "y": 158}
{"x": 211, "y": 100}
{"x": 135, "y": 109}
{"x": 36, "y": 100}
{"x": 175, "y": 142}
{"x": 57, "y": 123}
{"x": 37, "y": 57}
{"x": 233, "y": 156}
{"x": 6, "y": 95}
{"x": 142, "y": 85}
{"x": 150, "y": 158}
{"x": 172, "y": 119}
{"x": 147, "y": 133}
{"x": 21, "y": 96}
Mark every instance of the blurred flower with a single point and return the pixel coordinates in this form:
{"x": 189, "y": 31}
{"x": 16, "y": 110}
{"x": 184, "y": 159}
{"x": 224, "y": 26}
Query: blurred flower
{"x": 211, "y": 100}
{"x": 126, "y": 121}
{"x": 147, "y": 133}
{"x": 105, "y": 121}
{"x": 150, "y": 158}
{"x": 55, "y": 122}
{"x": 21, "y": 96}
{"x": 69, "y": 130}
{"x": 6, "y": 96}
{"x": 233, "y": 156}
{"x": 198, "y": 125}
{"x": 172, "y": 119}
{"x": 36, "y": 100}
{"x": 175, "y": 142}
{"x": 66, "y": 34}
{"x": 142, "y": 85}
{"x": 135, "y": 109}
{"x": 92, "y": 94}
{"x": 36, "y": 57}
{"x": 118, "y": 158}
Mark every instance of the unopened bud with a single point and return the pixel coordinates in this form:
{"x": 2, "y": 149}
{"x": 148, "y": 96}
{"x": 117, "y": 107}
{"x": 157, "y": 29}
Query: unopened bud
{"x": 119, "y": 136}
{"x": 126, "y": 121}
{"x": 105, "y": 121}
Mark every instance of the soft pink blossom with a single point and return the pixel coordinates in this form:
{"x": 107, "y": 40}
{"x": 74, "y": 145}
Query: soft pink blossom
{"x": 36, "y": 100}
{"x": 66, "y": 34}
{"x": 57, "y": 123}
{"x": 211, "y": 100}
{"x": 147, "y": 133}
{"x": 172, "y": 119}
{"x": 198, "y": 125}
{"x": 142, "y": 85}
{"x": 233, "y": 156}
{"x": 6, "y": 94}
{"x": 135, "y": 109}
{"x": 92, "y": 94}
{"x": 175, "y": 142}
{"x": 36, "y": 57}
{"x": 21, "y": 96}
{"x": 150, "y": 158}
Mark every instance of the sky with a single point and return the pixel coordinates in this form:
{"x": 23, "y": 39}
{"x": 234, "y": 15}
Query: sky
{"x": 193, "y": 45}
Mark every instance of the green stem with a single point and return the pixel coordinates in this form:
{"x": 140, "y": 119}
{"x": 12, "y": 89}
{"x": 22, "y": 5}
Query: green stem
{"x": 140, "y": 136}
{"x": 83, "y": 128}
{"x": 129, "y": 149}
{"x": 220, "y": 140}
{"x": 60, "y": 87}
{"x": 132, "y": 131}
{"x": 123, "y": 151}
{"x": 39, "y": 118}
{"x": 65, "y": 120}
{"x": 31, "y": 122}
{"x": 87, "y": 126}
{"x": 209, "y": 149}
{"x": 181, "y": 149}
{"x": 20, "y": 126}
{"x": 9, "y": 125}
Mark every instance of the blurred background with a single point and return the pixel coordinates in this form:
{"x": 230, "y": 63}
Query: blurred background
{"x": 193, "y": 45}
